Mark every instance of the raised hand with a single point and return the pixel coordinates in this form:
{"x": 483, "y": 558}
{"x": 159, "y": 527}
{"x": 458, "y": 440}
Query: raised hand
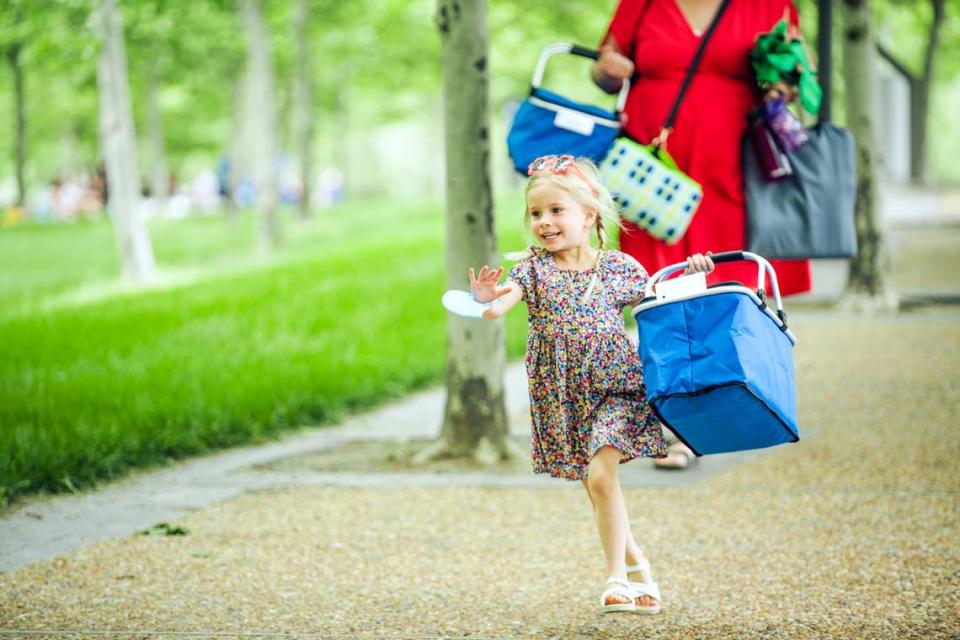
{"x": 484, "y": 286}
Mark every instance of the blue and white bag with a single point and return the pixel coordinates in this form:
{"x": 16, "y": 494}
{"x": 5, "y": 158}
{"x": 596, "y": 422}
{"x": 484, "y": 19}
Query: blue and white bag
{"x": 652, "y": 193}
{"x": 549, "y": 124}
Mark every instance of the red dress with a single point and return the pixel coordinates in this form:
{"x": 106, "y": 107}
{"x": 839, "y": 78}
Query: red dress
{"x": 707, "y": 134}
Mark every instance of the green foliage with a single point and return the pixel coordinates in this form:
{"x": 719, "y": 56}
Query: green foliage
{"x": 376, "y": 60}
{"x": 226, "y": 349}
{"x": 166, "y": 529}
{"x": 904, "y": 28}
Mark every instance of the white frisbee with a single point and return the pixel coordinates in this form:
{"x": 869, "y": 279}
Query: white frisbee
{"x": 463, "y": 304}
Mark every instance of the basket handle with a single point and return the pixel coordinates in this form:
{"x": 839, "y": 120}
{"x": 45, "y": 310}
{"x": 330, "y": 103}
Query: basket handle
{"x": 763, "y": 268}
{"x": 574, "y": 49}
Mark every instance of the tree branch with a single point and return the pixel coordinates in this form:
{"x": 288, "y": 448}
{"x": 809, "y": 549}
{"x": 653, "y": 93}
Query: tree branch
{"x": 901, "y": 68}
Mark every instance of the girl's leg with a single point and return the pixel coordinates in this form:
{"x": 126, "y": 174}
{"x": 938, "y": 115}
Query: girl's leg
{"x": 606, "y": 496}
{"x": 634, "y": 553}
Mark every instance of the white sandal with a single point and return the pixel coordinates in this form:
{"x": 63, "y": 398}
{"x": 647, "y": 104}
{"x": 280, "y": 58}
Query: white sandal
{"x": 639, "y": 589}
{"x": 619, "y": 587}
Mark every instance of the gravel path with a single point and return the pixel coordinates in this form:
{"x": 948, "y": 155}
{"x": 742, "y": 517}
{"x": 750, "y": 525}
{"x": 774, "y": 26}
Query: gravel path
{"x": 850, "y": 533}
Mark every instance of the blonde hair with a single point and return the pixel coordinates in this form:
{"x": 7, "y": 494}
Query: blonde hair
{"x": 587, "y": 189}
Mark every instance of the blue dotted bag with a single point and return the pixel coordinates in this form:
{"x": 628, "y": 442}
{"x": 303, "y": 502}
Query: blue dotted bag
{"x": 651, "y": 191}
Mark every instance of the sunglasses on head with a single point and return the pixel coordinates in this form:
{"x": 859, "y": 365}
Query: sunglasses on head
{"x": 558, "y": 165}
{"x": 553, "y": 164}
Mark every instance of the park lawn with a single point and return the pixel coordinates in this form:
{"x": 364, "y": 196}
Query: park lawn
{"x": 227, "y": 348}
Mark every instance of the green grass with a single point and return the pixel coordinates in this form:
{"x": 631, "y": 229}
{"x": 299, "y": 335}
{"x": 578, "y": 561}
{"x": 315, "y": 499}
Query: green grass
{"x": 97, "y": 378}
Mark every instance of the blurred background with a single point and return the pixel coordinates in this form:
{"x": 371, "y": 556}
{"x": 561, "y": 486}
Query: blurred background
{"x": 330, "y": 115}
{"x": 372, "y": 70}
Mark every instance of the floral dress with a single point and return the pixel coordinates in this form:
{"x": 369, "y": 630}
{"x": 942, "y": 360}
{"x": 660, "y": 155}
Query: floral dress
{"x": 586, "y": 378}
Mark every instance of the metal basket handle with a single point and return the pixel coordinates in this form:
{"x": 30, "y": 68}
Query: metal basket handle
{"x": 566, "y": 47}
{"x": 763, "y": 267}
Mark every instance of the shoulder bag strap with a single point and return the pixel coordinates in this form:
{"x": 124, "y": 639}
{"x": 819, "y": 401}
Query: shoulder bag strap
{"x": 645, "y": 4}
{"x": 661, "y": 140}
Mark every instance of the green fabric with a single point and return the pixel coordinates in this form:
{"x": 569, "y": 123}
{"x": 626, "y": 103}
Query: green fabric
{"x": 777, "y": 58}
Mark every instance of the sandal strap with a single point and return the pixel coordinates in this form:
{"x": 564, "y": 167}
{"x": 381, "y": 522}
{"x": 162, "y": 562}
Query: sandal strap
{"x": 617, "y": 581}
{"x": 617, "y": 586}
{"x": 651, "y": 589}
{"x": 643, "y": 565}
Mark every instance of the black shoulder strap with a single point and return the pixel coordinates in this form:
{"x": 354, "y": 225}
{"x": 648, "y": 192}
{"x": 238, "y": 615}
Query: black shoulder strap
{"x": 636, "y": 28}
{"x": 668, "y": 125}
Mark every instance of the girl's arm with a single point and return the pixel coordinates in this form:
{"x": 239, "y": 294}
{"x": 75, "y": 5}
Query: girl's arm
{"x": 484, "y": 289}
{"x": 510, "y": 295}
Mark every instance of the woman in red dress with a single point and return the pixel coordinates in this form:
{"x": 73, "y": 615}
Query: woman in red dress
{"x": 657, "y": 39}
{"x": 653, "y": 42}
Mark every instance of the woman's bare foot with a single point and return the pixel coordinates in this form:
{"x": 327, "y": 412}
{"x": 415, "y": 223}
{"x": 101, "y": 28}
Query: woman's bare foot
{"x": 679, "y": 457}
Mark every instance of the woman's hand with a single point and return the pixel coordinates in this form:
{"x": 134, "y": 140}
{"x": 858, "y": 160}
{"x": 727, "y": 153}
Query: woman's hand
{"x": 484, "y": 286}
{"x": 699, "y": 263}
{"x": 782, "y": 90}
{"x": 611, "y": 68}
{"x": 614, "y": 64}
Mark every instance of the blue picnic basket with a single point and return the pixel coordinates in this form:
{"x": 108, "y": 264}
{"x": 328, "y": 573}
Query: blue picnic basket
{"x": 718, "y": 363}
{"x": 547, "y": 123}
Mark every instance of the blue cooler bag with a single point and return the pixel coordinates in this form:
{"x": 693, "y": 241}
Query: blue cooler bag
{"x": 549, "y": 124}
{"x": 718, "y": 363}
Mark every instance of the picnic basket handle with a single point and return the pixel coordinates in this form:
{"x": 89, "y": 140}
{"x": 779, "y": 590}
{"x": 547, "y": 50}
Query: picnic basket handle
{"x": 763, "y": 268}
{"x": 566, "y": 47}
{"x": 577, "y": 50}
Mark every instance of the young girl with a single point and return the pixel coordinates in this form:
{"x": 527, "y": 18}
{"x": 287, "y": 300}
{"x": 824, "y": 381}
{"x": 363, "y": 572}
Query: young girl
{"x": 587, "y": 399}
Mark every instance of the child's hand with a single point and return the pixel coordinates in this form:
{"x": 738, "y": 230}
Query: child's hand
{"x": 699, "y": 263}
{"x": 484, "y": 287}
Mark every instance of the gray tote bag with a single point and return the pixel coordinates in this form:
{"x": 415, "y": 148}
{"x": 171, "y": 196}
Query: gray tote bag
{"x": 808, "y": 214}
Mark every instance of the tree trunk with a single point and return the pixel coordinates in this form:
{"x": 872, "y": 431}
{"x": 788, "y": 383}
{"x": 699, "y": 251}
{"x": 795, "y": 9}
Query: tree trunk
{"x": 69, "y": 164}
{"x": 159, "y": 173}
{"x": 342, "y": 126}
{"x": 20, "y": 131}
{"x": 237, "y": 155}
{"x": 120, "y": 149}
{"x": 303, "y": 103}
{"x": 868, "y": 269}
{"x": 475, "y": 417}
{"x": 920, "y": 103}
{"x": 260, "y": 109}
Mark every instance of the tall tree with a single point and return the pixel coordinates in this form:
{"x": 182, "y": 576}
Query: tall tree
{"x": 303, "y": 102}
{"x": 159, "y": 173}
{"x": 261, "y": 109}
{"x": 919, "y": 156}
{"x": 921, "y": 87}
{"x": 119, "y": 146}
{"x": 475, "y": 419}
{"x": 867, "y": 277}
{"x": 14, "y": 50}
